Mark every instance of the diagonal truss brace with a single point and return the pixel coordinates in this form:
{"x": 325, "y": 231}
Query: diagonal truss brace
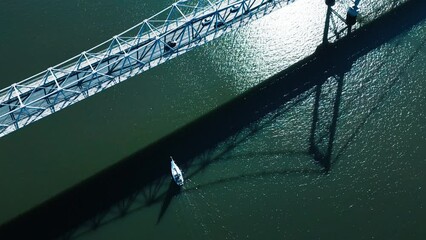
{"x": 181, "y": 27}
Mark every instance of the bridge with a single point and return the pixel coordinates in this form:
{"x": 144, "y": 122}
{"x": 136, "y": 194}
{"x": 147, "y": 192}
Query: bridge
{"x": 179, "y": 28}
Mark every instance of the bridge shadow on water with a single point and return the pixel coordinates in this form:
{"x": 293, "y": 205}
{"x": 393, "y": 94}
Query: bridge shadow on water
{"x": 140, "y": 180}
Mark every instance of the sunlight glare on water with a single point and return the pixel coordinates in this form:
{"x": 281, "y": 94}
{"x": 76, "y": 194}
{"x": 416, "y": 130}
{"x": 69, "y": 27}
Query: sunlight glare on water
{"x": 269, "y": 44}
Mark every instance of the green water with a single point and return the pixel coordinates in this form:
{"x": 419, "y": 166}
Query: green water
{"x": 261, "y": 182}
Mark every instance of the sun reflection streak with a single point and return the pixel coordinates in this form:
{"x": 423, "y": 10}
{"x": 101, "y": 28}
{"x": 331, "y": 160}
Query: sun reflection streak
{"x": 266, "y": 46}
{"x": 269, "y": 44}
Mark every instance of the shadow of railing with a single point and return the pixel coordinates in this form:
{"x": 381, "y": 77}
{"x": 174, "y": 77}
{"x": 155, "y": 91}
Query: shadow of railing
{"x": 145, "y": 172}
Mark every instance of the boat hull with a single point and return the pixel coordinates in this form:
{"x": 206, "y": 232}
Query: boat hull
{"x": 176, "y": 173}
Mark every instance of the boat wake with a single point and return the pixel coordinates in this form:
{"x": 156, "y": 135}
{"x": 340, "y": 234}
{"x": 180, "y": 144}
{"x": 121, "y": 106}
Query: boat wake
{"x": 203, "y": 214}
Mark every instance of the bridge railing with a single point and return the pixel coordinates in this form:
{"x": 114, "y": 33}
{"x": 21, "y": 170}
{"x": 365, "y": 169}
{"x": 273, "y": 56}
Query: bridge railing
{"x": 177, "y": 29}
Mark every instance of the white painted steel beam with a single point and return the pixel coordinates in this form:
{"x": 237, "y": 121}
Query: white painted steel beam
{"x": 175, "y": 30}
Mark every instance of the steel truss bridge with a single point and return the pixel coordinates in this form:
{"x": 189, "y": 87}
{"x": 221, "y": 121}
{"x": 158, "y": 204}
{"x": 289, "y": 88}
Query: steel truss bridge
{"x": 184, "y": 25}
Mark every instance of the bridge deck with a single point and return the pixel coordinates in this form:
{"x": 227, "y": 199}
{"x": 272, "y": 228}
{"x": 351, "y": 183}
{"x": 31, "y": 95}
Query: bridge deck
{"x": 173, "y": 31}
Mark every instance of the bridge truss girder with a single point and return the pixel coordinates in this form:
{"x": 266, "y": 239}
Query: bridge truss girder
{"x": 175, "y": 30}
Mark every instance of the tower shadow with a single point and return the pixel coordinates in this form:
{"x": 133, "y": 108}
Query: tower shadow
{"x": 328, "y": 131}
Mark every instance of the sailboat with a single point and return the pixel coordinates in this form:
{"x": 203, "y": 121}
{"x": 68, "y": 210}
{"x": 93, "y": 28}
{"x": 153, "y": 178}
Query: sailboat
{"x": 176, "y": 173}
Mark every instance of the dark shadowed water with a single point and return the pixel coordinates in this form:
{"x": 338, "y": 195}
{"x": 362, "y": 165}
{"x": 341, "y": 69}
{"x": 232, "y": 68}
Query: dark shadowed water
{"x": 252, "y": 118}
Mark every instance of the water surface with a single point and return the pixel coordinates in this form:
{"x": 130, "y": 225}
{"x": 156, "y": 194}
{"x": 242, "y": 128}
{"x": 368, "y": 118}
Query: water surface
{"x": 261, "y": 181}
